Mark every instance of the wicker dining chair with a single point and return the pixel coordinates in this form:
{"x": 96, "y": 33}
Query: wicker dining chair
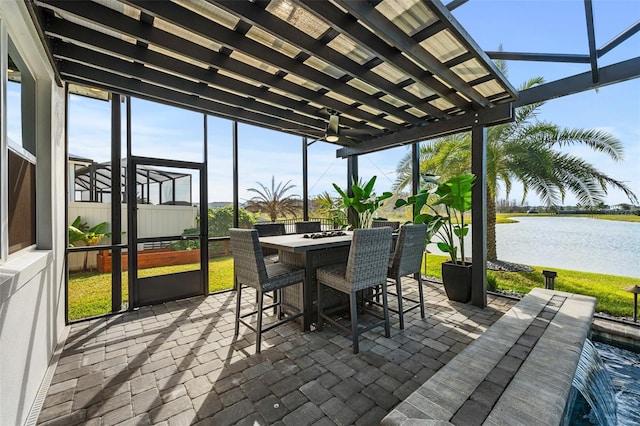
{"x": 250, "y": 269}
{"x": 366, "y": 267}
{"x": 270, "y": 230}
{"x": 407, "y": 260}
{"x": 307, "y": 227}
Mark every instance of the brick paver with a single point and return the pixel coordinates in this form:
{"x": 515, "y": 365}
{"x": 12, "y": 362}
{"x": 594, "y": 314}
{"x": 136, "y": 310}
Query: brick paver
{"x": 177, "y": 363}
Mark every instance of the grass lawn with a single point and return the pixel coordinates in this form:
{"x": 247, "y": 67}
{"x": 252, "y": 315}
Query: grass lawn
{"x": 90, "y": 292}
{"x": 606, "y": 288}
{"x": 507, "y": 217}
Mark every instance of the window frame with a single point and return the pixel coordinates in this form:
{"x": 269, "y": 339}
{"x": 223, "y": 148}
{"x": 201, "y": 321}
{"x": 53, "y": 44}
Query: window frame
{"x": 28, "y": 105}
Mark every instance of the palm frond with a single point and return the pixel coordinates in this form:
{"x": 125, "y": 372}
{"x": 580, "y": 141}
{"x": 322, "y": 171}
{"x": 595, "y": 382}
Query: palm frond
{"x": 598, "y": 140}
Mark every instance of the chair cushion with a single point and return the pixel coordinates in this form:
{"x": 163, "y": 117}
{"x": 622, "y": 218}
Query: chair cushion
{"x": 334, "y": 277}
{"x": 280, "y": 275}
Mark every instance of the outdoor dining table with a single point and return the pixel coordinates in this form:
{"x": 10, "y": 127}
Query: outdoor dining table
{"x": 310, "y": 253}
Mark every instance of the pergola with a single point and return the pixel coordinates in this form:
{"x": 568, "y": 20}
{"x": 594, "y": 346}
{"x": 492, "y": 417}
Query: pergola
{"x": 365, "y": 75}
{"x": 93, "y": 182}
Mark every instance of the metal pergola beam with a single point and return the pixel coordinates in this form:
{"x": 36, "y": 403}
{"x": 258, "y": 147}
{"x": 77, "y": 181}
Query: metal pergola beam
{"x": 337, "y": 19}
{"x": 591, "y": 38}
{"x": 479, "y": 216}
{"x": 455, "y": 28}
{"x": 348, "y": 25}
{"x": 99, "y": 60}
{"x": 305, "y": 179}
{"x": 394, "y": 36}
{"x": 192, "y": 72}
{"x": 257, "y": 16}
{"x": 500, "y": 114}
{"x": 260, "y": 18}
{"x": 217, "y": 33}
{"x": 611, "y": 74}
{"x": 623, "y": 36}
{"x": 542, "y": 57}
{"x": 71, "y": 31}
{"x": 455, "y": 4}
{"x": 81, "y": 74}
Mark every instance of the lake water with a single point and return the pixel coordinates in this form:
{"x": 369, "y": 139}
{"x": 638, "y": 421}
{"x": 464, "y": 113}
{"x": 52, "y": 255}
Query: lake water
{"x": 575, "y": 243}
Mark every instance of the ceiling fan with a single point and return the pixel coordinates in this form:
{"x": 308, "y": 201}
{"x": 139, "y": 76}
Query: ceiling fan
{"x": 334, "y": 133}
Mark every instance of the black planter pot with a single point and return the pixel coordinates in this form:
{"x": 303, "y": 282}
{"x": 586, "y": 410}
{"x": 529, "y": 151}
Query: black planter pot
{"x": 457, "y": 281}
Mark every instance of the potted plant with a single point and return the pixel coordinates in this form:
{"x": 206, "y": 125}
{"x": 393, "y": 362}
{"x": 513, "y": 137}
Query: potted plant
{"x": 364, "y": 202}
{"x": 447, "y": 203}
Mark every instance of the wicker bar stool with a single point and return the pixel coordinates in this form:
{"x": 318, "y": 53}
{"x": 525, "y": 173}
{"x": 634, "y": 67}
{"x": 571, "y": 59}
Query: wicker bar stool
{"x": 407, "y": 260}
{"x": 270, "y": 230}
{"x": 250, "y": 269}
{"x": 307, "y": 227}
{"x": 366, "y": 268}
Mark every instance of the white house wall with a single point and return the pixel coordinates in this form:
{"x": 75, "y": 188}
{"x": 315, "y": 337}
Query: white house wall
{"x": 32, "y": 280}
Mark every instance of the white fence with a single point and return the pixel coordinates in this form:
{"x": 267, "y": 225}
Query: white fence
{"x": 153, "y": 221}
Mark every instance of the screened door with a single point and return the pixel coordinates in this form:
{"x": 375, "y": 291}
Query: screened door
{"x": 167, "y": 245}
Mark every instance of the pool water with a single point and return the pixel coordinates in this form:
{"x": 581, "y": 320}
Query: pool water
{"x": 624, "y": 368}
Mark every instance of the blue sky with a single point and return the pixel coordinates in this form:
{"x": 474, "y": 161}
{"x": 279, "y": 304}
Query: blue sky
{"x": 524, "y": 26}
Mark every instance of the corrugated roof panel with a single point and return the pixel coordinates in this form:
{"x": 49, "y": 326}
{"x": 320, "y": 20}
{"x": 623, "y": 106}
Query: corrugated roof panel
{"x": 302, "y": 82}
{"x": 315, "y": 105}
{"x": 416, "y": 112}
{"x": 163, "y": 70}
{"x": 272, "y": 42}
{"x": 298, "y": 17}
{"x": 392, "y": 74}
{"x": 392, "y": 100}
{"x": 443, "y": 45}
{"x": 441, "y": 104}
{"x": 377, "y": 126}
{"x": 161, "y": 24}
{"x": 125, "y": 9}
{"x": 470, "y": 70}
{"x": 410, "y": 16}
{"x": 354, "y": 51}
{"x": 178, "y": 56}
{"x": 283, "y": 93}
{"x": 362, "y": 86}
{"x": 349, "y": 116}
{"x": 253, "y": 62}
{"x": 72, "y": 18}
{"x": 394, "y": 120}
{"x": 208, "y": 10}
{"x": 419, "y": 90}
{"x": 239, "y": 77}
{"x": 489, "y": 88}
{"x": 321, "y": 65}
{"x": 337, "y": 96}
{"x": 369, "y": 109}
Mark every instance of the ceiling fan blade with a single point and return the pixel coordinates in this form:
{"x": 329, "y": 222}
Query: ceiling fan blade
{"x": 334, "y": 124}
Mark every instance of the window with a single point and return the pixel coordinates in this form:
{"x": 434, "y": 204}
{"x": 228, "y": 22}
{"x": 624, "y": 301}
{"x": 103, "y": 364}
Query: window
{"x": 21, "y": 156}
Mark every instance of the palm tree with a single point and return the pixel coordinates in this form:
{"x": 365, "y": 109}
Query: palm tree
{"x": 274, "y": 201}
{"x": 527, "y": 151}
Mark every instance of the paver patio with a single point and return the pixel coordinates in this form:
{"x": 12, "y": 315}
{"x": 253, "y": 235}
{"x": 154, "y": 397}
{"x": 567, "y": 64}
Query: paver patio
{"x": 176, "y": 364}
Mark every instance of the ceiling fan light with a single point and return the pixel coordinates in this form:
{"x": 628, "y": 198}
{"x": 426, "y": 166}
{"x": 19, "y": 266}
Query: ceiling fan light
{"x": 332, "y": 138}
